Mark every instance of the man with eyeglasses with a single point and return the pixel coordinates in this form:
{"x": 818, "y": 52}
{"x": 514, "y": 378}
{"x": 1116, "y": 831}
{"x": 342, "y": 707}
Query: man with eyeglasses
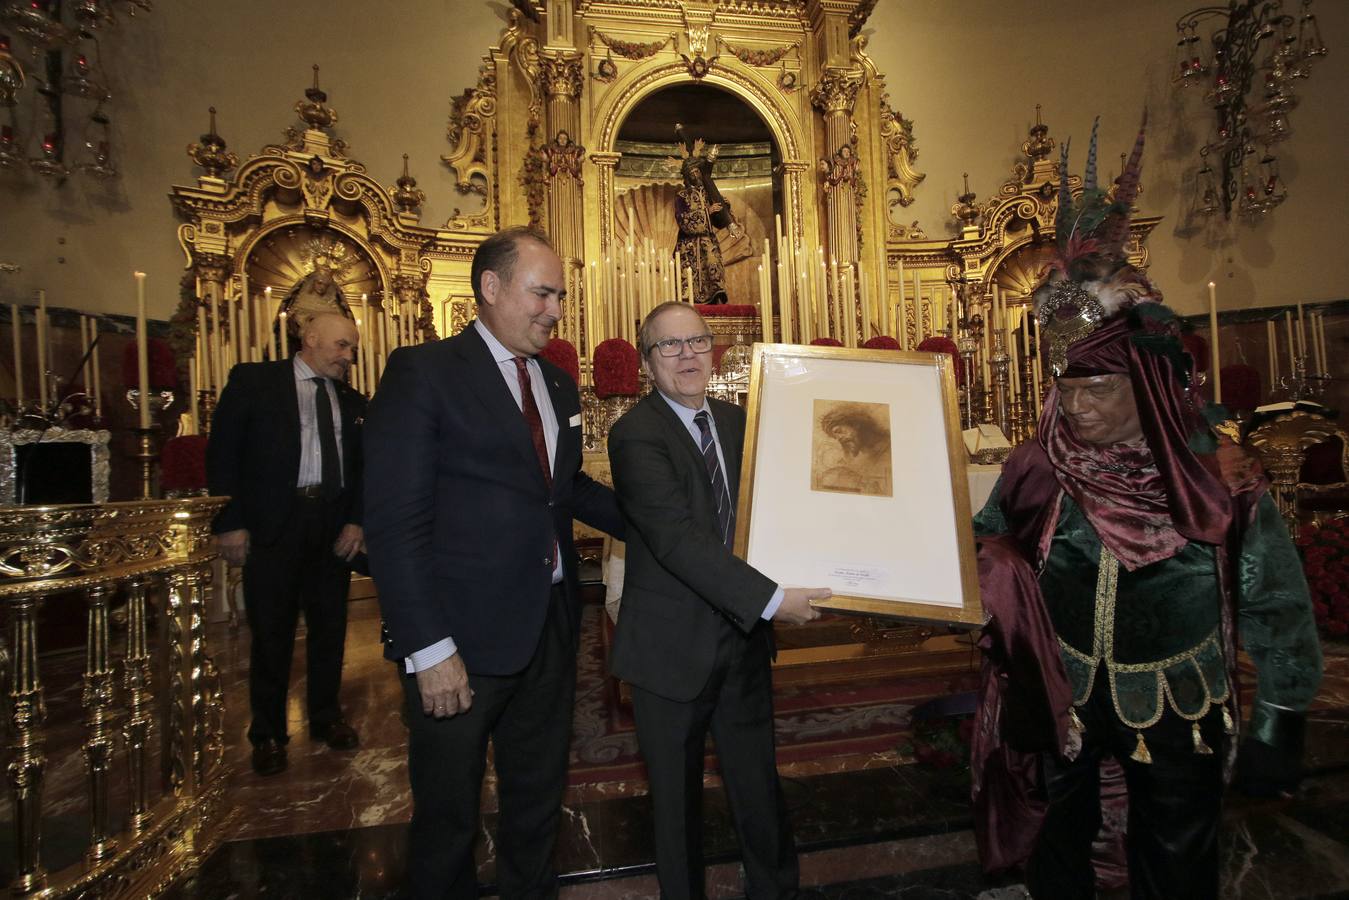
{"x": 695, "y": 634}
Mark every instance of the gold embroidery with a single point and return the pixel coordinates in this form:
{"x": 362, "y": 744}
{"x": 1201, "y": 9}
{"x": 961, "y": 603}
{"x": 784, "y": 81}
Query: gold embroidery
{"x": 1103, "y": 646}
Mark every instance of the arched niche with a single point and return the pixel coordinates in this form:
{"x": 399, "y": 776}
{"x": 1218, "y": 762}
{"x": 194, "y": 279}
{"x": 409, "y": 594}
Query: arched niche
{"x": 747, "y": 173}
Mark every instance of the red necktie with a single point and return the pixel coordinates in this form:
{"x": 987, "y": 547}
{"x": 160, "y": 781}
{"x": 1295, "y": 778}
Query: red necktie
{"x": 533, "y": 419}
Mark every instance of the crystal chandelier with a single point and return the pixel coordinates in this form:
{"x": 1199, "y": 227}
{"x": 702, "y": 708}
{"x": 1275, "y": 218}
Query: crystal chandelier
{"x": 1247, "y": 67}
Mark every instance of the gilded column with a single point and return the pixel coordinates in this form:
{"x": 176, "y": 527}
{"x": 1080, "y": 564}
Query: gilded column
{"x": 139, "y": 725}
{"x": 97, "y": 698}
{"x": 28, "y": 763}
{"x": 605, "y": 307}
{"x": 834, "y": 97}
{"x": 174, "y": 753}
{"x": 562, "y": 75}
{"x": 211, "y": 270}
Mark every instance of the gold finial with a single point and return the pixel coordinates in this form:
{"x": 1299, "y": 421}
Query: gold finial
{"x": 314, "y": 109}
{"x": 407, "y": 197}
{"x": 210, "y": 153}
{"x": 1039, "y": 145}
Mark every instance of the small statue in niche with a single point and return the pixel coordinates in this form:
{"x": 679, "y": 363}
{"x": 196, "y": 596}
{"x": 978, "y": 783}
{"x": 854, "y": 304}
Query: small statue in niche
{"x": 700, "y": 211}
{"x": 315, "y": 294}
{"x": 563, "y": 157}
{"x": 843, "y": 169}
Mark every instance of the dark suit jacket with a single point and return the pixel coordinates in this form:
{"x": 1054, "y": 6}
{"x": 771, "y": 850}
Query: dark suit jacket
{"x": 253, "y": 455}
{"x": 681, "y": 584}
{"x": 459, "y": 522}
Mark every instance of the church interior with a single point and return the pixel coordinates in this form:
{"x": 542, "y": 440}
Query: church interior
{"x": 183, "y": 184}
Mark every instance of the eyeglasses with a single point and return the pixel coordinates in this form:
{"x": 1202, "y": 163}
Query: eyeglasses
{"x": 700, "y": 343}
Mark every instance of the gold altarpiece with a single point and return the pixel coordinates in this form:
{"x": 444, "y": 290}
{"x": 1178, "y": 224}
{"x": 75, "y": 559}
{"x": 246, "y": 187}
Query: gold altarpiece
{"x": 536, "y": 140}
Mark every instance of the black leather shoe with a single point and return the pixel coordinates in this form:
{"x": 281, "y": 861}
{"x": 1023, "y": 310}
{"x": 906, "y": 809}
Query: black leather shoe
{"x": 337, "y": 735}
{"x": 269, "y": 757}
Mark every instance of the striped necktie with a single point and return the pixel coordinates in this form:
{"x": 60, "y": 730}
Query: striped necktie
{"x": 725, "y": 515}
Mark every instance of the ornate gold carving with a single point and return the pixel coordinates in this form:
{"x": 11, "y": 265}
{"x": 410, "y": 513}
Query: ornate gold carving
{"x": 836, "y": 91}
{"x": 27, "y": 761}
{"x": 632, "y": 49}
{"x": 766, "y": 56}
{"x": 842, "y": 169}
{"x": 561, "y": 74}
{"x": 139, "y": 727}
{"x": 472, "y": 118}
{"x": 1283, "y": 444}
{"x": 900, "y": 153}
{"x": 98, "y": 700}
{"x": 562, "y": 158}
{"x": 314, "y": 109}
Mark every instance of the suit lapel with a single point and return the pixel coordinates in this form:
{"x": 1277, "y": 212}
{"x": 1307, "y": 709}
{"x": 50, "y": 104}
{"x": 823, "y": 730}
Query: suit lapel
{"x": 484, "y": 377}
{"x": 288, "y": 396}
{"x": 732, "y": 440}
{"x": 568, "y": 444}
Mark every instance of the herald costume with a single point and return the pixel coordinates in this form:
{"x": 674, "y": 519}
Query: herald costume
{"x": 1119, "y": 579}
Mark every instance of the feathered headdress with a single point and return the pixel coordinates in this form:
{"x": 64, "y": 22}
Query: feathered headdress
{"x": 1089, "y": 279}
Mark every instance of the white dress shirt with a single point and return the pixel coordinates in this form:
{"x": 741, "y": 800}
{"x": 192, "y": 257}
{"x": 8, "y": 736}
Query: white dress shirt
{"x": 311, "y": 449}
{"x": 686, "y": 415}
{"x": 444, "y": 648}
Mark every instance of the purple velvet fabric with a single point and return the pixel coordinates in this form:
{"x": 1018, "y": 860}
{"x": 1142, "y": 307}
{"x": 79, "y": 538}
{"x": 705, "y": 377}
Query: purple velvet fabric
{"x": 1023, "y": 706}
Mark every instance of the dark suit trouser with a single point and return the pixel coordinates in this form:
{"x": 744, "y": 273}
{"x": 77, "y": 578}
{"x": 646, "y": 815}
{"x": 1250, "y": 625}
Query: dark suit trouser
{"x": 1175, "y": 803}
{"x": 528, "y": 719}
{"x": 737, "y": 705}
{"x": 298, "y": 573}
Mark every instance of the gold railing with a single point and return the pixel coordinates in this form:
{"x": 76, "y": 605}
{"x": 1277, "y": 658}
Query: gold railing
{"x": 142, "y": 551}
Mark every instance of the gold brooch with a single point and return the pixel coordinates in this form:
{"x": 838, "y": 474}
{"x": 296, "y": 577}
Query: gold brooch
{"x": 1084, "y": 315}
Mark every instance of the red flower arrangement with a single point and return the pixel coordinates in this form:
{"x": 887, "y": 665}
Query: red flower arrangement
{"x": 945, "y": 345}
{"x": 163, "y": 369}
{"x": 881, "y": 342}
{"x": 562, "y": 354}
{"x": 1325, "y": 560}
{"x": 614, "y": 367}
{"x": 183, "y": 463}
{"x": 826, "y": 342}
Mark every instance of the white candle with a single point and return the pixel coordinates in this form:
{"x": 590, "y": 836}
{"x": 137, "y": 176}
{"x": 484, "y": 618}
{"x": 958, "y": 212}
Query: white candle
{"x": 1301, "y": 328}
{"x": 1273, "y": 343}
{"x": 368, "y": 347}
{"x": 15, "y": 324}
{"x": 142, "y": 352}
{"x": 901, "y": 327}
{"x": 1213, "y": 353}
{"x": 1292, "y": 341}
{"x": 41, "y": 328}
{"x": 217, "y": 344}
{"x": 204, "y": 350}
{"x": 84, "y": 355}
{"x": 192, "y": 395}
{"x": 918, "y": 307}
{"x": 98, "y": 374}
{"x": 235, "y": 346}
{"x": 1321, "y": 342}
{"x": 285, "y": 334}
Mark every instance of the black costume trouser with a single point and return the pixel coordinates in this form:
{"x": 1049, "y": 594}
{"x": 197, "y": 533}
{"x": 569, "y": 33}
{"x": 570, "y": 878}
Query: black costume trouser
{"x": 737, "y": 705}
{"x": 298, "y": 573}
{"x": 1174, "y": 806}
{"x": 527, "y": 716}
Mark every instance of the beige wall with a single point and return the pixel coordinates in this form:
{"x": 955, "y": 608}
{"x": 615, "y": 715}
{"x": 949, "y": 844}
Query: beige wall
{"x": 969, "y": 72}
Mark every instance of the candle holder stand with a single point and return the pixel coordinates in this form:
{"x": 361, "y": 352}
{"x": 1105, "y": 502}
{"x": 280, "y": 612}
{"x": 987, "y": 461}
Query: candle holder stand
{"x": 147, "y": 454}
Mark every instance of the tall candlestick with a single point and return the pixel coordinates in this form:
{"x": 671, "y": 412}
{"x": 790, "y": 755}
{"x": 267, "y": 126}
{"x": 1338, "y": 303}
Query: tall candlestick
{"x": 142, "y": 352}
{"x": 235, "y": 345}
{"x": 14, "y": 325}
{"x": 1035, "y": 363}
{"x": 1273, "y": 346}
{"x": 918, "y": 307}
{"x": 1321, "y": 342}
{"x": 850, "y": 303}
{"x": 1292, "y": 341}
{"x": 41, "y": 329}
{"x": 217, "y": 336}
{"x": 285, "y": 334}
{"x": 1215, "y": 357}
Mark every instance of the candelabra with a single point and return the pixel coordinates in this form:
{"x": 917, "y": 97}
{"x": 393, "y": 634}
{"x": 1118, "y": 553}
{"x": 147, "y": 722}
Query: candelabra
{"x": 1000, "y": 361}
{"x": 1249, "y": 179}
{"x": 147, "y": 446}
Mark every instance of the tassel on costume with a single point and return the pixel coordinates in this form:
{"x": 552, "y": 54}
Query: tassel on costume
{"x": 1228, "y": 726}
{"x": 1074, "y": 723}
{"x": 1141, "y": 753}
{"x": 1199, "y": 746}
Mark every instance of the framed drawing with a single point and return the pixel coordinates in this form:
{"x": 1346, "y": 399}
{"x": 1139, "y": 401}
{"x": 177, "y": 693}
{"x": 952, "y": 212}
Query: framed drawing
{"x": 854, "y": 479}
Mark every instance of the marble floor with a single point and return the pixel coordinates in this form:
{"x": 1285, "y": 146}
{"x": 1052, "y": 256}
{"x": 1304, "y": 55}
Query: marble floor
{"x": 334, "y": 825}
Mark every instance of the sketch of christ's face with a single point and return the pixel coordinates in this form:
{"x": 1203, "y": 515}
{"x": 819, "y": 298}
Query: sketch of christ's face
{"x": 847, "y": 438}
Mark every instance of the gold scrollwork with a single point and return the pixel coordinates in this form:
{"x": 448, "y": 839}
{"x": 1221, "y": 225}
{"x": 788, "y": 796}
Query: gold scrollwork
{"x": 900, "y": 153}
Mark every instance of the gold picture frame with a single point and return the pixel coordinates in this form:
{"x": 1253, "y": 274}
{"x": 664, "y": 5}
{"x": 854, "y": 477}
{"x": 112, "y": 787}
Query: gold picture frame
{"x": 854, "y": 478}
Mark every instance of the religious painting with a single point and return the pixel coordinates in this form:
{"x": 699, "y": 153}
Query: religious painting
{"x": 854, "y": 478}
{"x": 850, "y": 448}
